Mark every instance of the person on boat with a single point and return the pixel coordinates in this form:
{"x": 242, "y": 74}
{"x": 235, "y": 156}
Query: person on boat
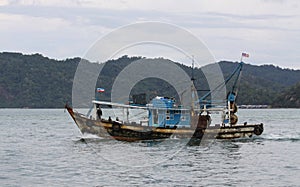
{"x": 99, "y": 111}
{"x": 204, "y": 121}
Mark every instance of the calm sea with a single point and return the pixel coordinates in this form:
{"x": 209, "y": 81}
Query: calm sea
{"x": 43, "y": 147}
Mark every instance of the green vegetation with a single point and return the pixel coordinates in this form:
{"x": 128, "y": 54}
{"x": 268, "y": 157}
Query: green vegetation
{"x": 35, "y": 81}
{"x": 262, "y": 85}
{"x": 289, "y": 98}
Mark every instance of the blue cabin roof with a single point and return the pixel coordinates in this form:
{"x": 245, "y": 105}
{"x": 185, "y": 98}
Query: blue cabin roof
{"x": 162, "y": 102}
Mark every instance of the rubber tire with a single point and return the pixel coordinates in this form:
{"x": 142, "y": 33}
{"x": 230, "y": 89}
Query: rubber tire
{"x": 258, "y": 130}
{"x": 116, "y": 127}
{"x": 233, "y": 119}
{"x": 234, "y": 108}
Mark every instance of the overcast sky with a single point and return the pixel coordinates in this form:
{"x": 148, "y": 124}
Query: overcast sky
{"x": 269, "y": 30}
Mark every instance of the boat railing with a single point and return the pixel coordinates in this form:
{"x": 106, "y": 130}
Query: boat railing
{"x": 119, "y": 105}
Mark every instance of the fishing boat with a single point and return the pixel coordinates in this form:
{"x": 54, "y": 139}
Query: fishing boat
{"x": 162, "y": 118}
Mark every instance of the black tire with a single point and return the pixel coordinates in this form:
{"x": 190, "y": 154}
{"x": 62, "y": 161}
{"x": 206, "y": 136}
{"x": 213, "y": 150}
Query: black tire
{"x": 258, "y": 130}
{"x": 116, "y": 126}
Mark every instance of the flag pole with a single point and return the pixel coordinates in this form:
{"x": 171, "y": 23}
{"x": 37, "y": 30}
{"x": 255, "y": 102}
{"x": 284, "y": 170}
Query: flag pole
{"x": 244, "y": 55}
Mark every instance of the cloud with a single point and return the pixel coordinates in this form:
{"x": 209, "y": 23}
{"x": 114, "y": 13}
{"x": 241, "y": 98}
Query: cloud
{"x": 63, "y": 28}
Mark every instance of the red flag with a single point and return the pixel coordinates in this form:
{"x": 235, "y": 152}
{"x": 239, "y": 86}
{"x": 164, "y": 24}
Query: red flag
{"x": 99, "y": 90}
{"x": 245, "y": 55}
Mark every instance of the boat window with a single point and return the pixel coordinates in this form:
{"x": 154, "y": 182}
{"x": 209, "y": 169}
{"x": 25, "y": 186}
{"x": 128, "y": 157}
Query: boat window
{"x": 169, "y": 117}
{"x": 155, "y": 116}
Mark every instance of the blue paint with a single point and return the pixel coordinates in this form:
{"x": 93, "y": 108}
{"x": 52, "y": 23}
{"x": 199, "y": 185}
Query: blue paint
{"x": 165, "y": 114}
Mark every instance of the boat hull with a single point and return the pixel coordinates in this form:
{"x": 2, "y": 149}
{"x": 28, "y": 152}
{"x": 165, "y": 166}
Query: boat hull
{"x": 110, "y": 129}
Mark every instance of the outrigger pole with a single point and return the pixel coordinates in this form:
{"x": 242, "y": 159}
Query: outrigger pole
{"x": 237, "y": 80}
{"x": 237, "y": 70}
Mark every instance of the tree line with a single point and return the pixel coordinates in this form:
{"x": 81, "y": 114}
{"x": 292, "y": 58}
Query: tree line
{"x": 35, "y": 81}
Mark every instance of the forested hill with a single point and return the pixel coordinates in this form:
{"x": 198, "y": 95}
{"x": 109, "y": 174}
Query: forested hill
{"x": 289, "y": 98}
{"x": 35, "y": 81}
{"x": 262, "y": 85}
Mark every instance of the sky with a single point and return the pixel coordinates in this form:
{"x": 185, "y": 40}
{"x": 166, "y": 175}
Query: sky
{"x": 269, "y": 30}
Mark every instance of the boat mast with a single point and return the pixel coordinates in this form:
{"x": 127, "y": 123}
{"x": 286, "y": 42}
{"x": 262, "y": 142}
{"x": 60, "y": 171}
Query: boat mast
{"x": 238, "y": 70}
{"x": 231, "y": 98}
{"x": 192, "y": 117}
{"x": 193, "y": 78}
{"x": 192, "y": 86}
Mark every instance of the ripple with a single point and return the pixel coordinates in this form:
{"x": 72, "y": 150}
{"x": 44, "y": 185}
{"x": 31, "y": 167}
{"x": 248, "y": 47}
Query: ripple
{"x": 49, "y": 151}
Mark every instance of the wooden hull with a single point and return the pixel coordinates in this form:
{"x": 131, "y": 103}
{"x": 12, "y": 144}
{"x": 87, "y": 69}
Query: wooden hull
{"x": 109, "y": 129}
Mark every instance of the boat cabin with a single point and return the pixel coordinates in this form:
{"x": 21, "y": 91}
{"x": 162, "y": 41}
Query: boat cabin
{"x": 164, "y": 113}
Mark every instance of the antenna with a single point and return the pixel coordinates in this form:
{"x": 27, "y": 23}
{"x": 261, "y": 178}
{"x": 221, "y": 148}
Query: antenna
{"x": 193, "y": 78}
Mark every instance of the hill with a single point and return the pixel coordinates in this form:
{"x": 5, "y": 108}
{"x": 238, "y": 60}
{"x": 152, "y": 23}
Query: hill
{"x": 35, "y": 81}
{"x": 289, "y": 98}
{"x": 261, "y": 85}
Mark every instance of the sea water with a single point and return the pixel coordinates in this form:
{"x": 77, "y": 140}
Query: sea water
{"x": 43, "y": 147}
